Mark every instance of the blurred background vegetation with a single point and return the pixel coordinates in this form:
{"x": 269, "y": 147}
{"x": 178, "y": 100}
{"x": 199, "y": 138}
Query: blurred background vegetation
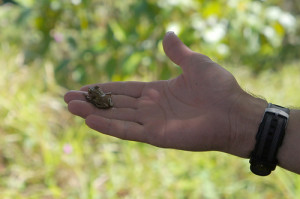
{"x": 50, "y": 46}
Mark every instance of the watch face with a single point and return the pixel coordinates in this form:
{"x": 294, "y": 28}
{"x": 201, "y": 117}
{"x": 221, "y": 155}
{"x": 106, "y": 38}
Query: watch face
{"x": 260, "y": 169}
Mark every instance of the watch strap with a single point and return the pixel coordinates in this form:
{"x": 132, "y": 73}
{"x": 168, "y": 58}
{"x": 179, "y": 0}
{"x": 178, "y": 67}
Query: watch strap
{"x": 268, "y": 140}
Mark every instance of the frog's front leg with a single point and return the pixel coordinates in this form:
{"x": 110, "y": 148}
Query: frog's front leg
{"x": 110, "y": 103}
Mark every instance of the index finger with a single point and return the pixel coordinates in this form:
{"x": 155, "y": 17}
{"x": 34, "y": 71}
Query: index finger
{"x": 129, "y": 88}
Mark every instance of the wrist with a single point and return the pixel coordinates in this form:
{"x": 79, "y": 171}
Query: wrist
{"x": 245, "y": 119}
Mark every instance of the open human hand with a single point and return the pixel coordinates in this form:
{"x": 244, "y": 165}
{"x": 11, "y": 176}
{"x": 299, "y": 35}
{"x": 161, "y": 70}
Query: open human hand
{"x": 196, "y": 111}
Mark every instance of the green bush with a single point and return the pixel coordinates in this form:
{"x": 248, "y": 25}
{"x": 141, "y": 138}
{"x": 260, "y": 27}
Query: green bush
{"x": 101, "y": 40}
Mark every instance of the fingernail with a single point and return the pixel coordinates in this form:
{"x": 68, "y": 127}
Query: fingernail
{"x": 170, "y": 33}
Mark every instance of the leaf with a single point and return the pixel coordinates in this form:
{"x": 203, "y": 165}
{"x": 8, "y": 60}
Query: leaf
{"x": 110, "y": 67}
{"x": 212, "y": 8}
{"x": 279, "y": 29}
{"x": 23, "y": 16}
{"x": 117, "y": 30}
{"x": 131, "y": 63}
{"x": 72, "y": 42}
{"x": 62, "y": 65}
{"x": 9, "y": 2}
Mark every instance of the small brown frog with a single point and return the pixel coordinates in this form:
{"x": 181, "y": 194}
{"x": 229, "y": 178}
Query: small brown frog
{"x": 98, "y": 98}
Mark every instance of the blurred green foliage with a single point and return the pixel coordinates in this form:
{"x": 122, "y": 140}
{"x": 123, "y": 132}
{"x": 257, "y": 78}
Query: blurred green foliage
{"x": 49, "y": 46}
{"x": 102, "y": 40}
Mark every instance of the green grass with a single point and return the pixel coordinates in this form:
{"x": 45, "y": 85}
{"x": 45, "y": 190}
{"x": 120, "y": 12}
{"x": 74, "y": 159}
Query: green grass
{"x": 36, "y": 127}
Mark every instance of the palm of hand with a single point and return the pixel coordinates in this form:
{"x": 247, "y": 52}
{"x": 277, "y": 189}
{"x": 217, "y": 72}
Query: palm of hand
{"x": 190, "y": 112}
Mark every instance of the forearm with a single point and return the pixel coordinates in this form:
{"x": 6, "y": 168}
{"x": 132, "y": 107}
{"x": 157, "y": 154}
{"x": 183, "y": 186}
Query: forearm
{"x": 288, "y": 154}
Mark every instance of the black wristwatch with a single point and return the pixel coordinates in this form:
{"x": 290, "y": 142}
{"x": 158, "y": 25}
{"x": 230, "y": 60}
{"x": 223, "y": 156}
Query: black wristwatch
{"x": 269, "y": 137}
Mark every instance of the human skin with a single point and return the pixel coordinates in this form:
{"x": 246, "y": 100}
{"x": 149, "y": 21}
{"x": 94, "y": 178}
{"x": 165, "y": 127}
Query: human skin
{"x": 203, "y": 109}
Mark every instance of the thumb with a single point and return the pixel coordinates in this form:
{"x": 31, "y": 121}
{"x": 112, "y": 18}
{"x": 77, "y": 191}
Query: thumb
{"x": 177, "y": 51}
